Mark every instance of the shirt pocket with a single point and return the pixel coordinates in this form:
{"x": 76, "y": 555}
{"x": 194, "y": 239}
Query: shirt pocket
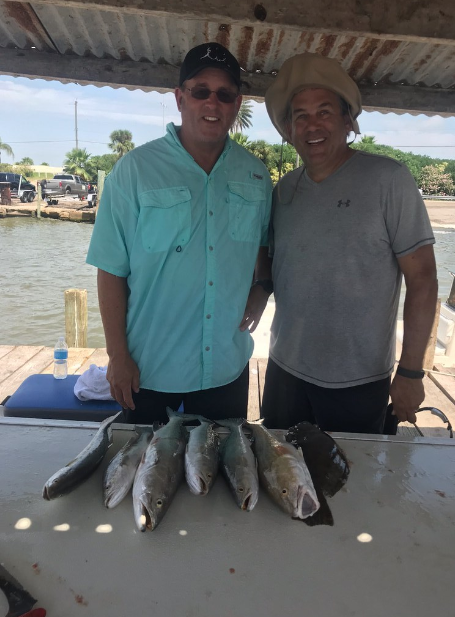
{"x": 244, "y": 211}
{"x": 165, "y": 218}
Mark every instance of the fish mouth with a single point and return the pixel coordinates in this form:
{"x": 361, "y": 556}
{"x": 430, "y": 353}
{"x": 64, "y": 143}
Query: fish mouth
{"x": 198, "y": 486}
{"x": 306, "y": 505}
{"x": 112, "y": 500}
{"x": 248, "y": 503}
{"x": 203, "y": 487}
{"x": 46, "y": 493}
{"x": 146, "y": 520}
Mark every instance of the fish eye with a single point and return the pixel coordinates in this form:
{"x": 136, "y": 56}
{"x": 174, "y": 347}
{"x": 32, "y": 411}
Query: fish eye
{"x": 284, "y": 491}
{"x": 159, "y": 503}
{"x": 240, "y": 489}
{"x": 209, "y": 475}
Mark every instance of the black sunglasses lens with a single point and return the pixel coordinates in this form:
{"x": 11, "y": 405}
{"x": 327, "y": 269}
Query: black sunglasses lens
{"x": 224, "y": 96}
{"x": 200, "y": 93}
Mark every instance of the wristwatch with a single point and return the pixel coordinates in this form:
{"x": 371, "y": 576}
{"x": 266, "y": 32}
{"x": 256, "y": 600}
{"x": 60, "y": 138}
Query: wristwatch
{"x": 266, "y": 284}
{"x": 405, "y": 372}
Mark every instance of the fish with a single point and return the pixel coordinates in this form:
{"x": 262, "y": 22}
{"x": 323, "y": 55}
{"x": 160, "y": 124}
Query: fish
{"x": 119, "y": 475}
{"x": 325, "y": 459}
{"x": 202, "y": 458}
{"x": 326, "y": 462}
{"x": 239, "y": 465}
{"x": 283, "y": 473}
{"x": 160, "y": 471}
{"x": 76, "y": 471}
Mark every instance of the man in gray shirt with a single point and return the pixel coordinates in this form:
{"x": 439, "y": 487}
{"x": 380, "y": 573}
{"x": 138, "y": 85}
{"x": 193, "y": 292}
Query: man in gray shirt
{"x": 345, "y": 228}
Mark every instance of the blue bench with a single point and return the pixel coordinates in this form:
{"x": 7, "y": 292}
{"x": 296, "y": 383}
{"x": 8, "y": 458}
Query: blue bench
{"x": 43, "y": 396}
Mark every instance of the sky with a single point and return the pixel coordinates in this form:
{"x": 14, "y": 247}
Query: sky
{"x": 37, "y": 119}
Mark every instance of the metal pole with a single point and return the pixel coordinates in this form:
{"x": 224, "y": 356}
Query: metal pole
{"x": 38, "y": 202}
{"x": 75, "y": 122}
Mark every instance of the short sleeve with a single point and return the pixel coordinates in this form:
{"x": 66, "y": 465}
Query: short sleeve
{"x": 406, "y": 217}
{"x": 114, "y": 230}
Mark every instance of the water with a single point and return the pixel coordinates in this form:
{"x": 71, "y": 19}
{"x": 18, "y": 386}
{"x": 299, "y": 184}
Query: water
{"x": 42, "y": 258}
{"x": 39, "y": 260}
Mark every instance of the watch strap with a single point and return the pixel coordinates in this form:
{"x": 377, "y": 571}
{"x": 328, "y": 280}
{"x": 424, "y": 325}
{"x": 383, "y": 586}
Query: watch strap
{"x": 266, "y": 284}
{"x": 405, "y": 372}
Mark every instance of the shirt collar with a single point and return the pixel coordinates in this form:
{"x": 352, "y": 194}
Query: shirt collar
{"x": 172, "y": 132}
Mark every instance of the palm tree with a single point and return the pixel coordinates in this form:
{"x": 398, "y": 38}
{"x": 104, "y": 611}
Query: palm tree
{"x": 121, "y": 142}
{"x": 6, "y": 148}
{"x": 263, "y": 151}
{"x": 77, "y": 162}
{"x": 26, "y": 161}
{"x": 241, "y": 139}
{"x": 368, "y": 139}
{"x": 243, "y": 120}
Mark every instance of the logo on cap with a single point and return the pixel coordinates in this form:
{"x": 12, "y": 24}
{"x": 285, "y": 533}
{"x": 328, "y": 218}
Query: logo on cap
{"x": 210, "y": 57}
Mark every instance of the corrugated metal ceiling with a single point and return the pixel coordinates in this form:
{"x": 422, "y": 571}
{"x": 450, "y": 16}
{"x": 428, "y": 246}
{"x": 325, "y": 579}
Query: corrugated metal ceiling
{"x": 162, "y": 39}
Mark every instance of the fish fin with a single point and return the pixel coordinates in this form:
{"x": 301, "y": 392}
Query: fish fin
{"x": 300, "y": 452}
{"x": 108, "y": 422}
{"x": 323, "y": 516}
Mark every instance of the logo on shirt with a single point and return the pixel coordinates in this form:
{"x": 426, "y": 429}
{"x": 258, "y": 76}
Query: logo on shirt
{"x": 256, "y": 176}
{"x": 346, "y": 203}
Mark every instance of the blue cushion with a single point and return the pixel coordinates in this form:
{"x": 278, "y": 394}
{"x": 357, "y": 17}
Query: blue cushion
{"x": 43, "y": 396}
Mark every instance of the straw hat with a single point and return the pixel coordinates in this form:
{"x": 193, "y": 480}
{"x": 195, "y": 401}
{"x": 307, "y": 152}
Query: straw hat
{"x": 310, "y": 71}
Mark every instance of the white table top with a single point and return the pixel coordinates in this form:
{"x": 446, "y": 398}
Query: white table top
{"x": 207, "y": 558}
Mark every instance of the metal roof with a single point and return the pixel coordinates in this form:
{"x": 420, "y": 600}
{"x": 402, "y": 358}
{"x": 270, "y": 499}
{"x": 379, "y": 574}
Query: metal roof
{"x": 402, "y": 57}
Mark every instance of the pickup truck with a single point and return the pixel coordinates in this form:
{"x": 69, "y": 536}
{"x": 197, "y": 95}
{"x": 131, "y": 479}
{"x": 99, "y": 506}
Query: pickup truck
{"x": 19, "y": 186}
{"x": 64, "y": 184}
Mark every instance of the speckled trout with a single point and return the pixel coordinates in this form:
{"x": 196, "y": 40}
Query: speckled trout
{"x": 85, "y": 463}
{"x": 283, "y": 473}
{"x": 119, "y": 475}
{"x": 160, "y": 471}
{"x": 202, "y": 458}
{"x": 239, "y": 465}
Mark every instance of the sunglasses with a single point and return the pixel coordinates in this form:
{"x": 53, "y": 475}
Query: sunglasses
{"x": 201, "y": 93}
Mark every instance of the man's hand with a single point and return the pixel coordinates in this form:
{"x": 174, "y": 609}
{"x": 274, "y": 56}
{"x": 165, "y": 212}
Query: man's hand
{"x": 123, "y": 377}
{"x": 256, "y": 303}
{"x": 407, "y": 396}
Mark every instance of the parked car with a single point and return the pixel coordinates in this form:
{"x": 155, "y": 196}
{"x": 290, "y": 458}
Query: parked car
{"x": 19, "y": 185}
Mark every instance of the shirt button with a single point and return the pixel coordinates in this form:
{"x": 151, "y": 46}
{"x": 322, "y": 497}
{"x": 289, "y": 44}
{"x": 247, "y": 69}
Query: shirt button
{"x": 210, "y": 283}
{"x": 210, "y": 213}
{"x": 207, "y": 349}
{"x": 210, "y": 248}
{"x": 208, "y": 316}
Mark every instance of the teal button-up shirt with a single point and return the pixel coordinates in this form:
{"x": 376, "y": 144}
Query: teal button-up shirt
{"x": 187, "y": 243}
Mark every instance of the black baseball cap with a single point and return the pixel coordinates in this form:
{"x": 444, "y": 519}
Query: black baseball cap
{"x": 209, "y": 56}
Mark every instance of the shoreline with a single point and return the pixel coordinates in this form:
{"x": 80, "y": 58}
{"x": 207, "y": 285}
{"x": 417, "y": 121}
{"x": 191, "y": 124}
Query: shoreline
{"x": 441, "y": 213}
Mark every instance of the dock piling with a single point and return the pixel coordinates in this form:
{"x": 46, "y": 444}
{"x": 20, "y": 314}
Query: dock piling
{"x": 76, "y": 317}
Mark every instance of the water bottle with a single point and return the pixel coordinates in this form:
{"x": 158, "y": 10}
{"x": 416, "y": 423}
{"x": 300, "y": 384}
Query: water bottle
{"x": 61, "y": 359}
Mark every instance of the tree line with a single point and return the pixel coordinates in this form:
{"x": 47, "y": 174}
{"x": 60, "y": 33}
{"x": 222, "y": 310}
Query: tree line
{"x": 78, "y": 161}
{"x": 433, "y": 176}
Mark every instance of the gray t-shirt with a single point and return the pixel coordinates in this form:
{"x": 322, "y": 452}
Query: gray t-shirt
{"x": 336, "y": 277}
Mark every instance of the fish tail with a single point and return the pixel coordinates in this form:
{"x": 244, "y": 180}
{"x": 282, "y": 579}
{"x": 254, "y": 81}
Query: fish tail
{"x": 186, "y": 417}
{"x": 231, "y": 422}
{"x": 144, "y": 428}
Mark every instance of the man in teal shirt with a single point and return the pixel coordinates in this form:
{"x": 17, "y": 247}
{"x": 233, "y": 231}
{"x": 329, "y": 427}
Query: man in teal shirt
{"x": 176, "y": 239}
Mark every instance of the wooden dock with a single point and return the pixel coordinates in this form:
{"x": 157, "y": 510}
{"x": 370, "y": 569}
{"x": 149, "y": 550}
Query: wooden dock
{"x": 19, "y": 362}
